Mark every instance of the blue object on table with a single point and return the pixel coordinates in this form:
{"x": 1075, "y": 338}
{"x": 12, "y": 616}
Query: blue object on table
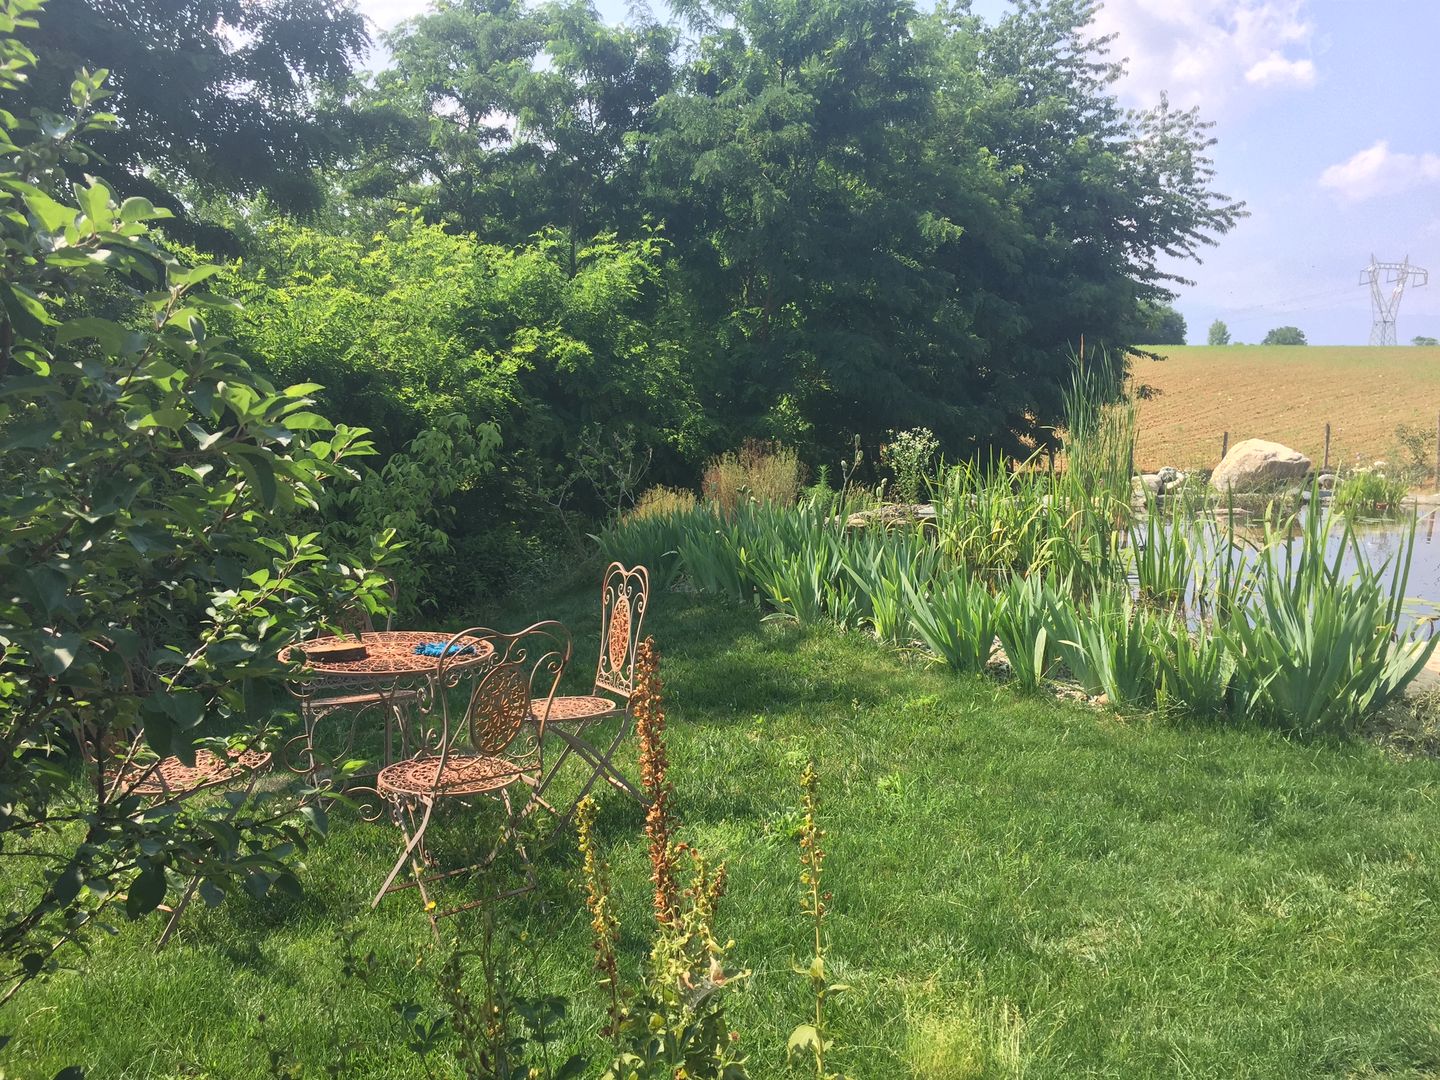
{"x": 437, "y": 648}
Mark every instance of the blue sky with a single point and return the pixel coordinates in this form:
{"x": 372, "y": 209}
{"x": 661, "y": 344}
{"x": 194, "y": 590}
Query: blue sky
{"x": 1328, "y": 120}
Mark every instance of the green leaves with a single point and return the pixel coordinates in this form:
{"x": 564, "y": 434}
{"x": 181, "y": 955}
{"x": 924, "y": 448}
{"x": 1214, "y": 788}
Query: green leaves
{"x": 146, "y": 891}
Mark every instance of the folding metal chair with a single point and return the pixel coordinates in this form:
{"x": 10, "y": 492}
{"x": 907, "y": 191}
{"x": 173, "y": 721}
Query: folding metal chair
{"x": 519, "y": 684}
{"x": 130, "y": 770}
{"x": 624, "y": 596}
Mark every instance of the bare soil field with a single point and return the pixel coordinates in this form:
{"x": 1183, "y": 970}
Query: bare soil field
{"x": 1284, "y": 393}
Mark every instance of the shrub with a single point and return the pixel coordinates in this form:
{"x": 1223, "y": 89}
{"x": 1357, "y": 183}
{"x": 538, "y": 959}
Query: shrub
{"x": 150, "y": 578}
{"x": 910, "y": 456}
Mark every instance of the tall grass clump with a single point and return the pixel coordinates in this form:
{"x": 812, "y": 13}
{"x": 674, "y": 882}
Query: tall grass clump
{"x": 759, "y": 472}
{"x": 1193, "y": 669}
{"x": 955, "y": 617}
{"x": 654, "y": 539}
{"x": 884, "y": 566}
{"x": 1161, "y": 555}
{"x": 1027, "y": 614}
{"x": 1370, "y": 492}
{"x": 995, "y": 524}
{"x": 1106, "y": 643}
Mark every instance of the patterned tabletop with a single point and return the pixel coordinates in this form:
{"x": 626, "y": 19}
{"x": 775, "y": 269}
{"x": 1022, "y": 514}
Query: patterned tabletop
{"x": 387, "y": 653}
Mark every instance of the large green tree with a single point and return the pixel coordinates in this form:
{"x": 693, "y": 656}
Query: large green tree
{"x": 1285, "y": 335}
{"x": 876, "y": 218}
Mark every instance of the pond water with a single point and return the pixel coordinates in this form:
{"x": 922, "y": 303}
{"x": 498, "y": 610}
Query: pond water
{"x": 1380, "y": 542}
{"x": 1385, "y": 540}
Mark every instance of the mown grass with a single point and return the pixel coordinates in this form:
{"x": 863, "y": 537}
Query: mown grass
{"x": 1022, "y": 886}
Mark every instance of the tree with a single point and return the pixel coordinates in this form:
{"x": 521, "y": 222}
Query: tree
{"x": 1422, "y": 340}
{"x": 214, "y": 94}
{"x": 1158, "y": 324}
{"x": 875, "y": 219}
{"x": 1285, "y": 335}
{"x": 148, "y": 576}
{"x": 1219, "y": 334}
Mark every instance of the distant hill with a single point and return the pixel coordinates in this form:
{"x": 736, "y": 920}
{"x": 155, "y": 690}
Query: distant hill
{"x": 1285, "y": 393}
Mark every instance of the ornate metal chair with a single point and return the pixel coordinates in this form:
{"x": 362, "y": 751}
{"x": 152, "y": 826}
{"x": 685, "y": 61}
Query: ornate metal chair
{"x": 517, "y": 688}
{"x": 127, "y": 768}
{"x": 624, "y": 596}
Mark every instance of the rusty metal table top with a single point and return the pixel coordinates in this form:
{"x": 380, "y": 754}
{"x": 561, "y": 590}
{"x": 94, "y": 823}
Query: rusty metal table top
{"x": 389, "y": 653}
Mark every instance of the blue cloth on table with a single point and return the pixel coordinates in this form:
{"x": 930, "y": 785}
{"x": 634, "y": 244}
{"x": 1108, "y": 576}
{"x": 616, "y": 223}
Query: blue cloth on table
{"x": 437, "y": 648}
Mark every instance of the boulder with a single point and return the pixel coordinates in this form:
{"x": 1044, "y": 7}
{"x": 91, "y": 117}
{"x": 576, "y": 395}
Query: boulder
{"x": 1145, "y": 484}
{"x": 1257, "y": 465}
{"x": 892, "y": 514}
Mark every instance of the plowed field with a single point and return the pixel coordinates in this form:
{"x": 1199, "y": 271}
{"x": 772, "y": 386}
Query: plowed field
{"x": 1284, "y": 393}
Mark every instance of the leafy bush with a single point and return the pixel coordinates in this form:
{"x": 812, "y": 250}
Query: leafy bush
{"x": 1370, "y": 491}
{"x": 410, "y": 497}
{"x": 910, "y": 455}
{"x": 149, "y": 580}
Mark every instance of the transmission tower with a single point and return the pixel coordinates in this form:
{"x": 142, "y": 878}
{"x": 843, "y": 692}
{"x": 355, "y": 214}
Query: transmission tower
{"x": 1393, "y": 276}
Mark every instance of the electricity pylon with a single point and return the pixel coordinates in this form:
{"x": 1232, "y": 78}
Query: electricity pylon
{"x": 1394, "y": 276}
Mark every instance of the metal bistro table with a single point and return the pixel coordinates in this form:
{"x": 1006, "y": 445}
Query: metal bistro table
{"x": 391, "y": 678}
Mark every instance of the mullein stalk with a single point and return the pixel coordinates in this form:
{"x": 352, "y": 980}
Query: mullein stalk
{"x": 604, "y": 926}
{"x": 813, "y": 903}
{"x": 648, "y": 708}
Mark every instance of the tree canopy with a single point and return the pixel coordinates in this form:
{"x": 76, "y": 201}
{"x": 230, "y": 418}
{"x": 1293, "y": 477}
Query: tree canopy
{"x": 1219, "y": 334}
{"x": 1285, "y": 335}
{"x": 875, "y": 218}
{"x": 216, "y": 95}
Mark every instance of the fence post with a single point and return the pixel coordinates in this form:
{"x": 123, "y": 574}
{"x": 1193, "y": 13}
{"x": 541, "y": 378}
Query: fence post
{"x": 1225, "y": 449}
{"x": 1326, "y": 467}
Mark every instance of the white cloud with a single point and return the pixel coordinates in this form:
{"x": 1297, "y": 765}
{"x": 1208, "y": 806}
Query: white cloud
{"x": 1377, "y": 170}
{"x": 1202, "y": 52}
{"x": 1275, "y": 70}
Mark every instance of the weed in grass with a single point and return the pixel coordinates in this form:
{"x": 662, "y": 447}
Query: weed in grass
{"x": 814, "y": 1038}
{"x": 604, "y": 926}
{"x": 675, "y": 1023}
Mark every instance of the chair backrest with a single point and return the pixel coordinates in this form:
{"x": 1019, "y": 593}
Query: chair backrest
{"x": 519, "y": 678}
{"x": 624, "y": 595}
{"x": 355, "y": 621}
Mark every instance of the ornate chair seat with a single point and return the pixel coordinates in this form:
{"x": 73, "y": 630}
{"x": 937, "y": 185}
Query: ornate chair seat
{"x": 460, "y": 775}
{"x": 172, "y": 777}
{"x": 577, "y": 708}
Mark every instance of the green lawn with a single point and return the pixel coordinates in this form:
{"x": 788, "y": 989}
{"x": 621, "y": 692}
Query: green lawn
{"x": 1020, "y": 887}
